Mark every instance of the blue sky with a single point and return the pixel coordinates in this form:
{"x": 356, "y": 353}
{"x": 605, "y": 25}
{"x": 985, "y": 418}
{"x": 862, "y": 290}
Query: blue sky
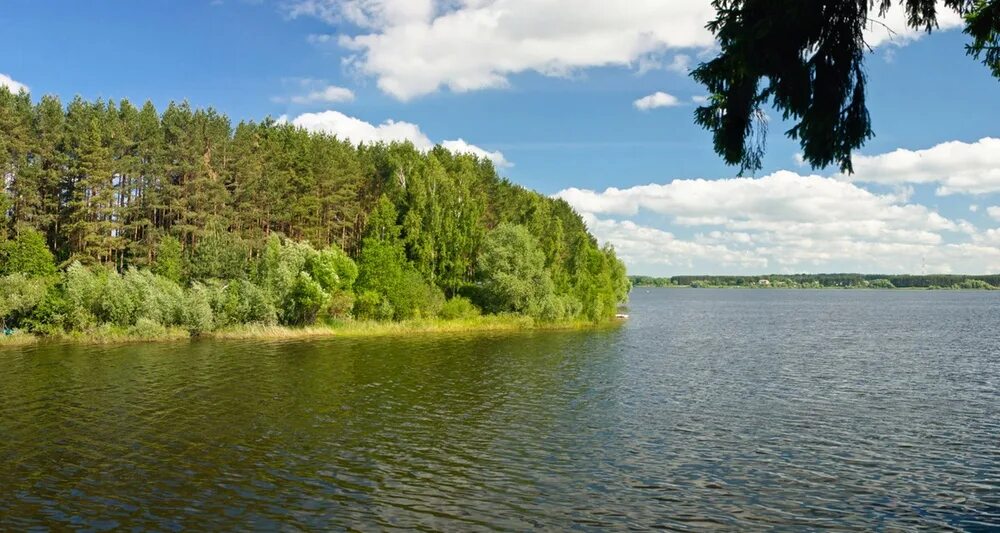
{"x": 551, "y": 96}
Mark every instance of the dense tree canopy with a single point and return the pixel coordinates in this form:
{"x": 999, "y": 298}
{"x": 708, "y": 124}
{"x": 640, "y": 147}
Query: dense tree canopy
{"x": 180, "y": 219}
{"x": 806, "y": 58}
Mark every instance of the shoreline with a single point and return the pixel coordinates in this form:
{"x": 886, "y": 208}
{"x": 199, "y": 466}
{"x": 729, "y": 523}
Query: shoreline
{"x": 344, "y": 330}
{"x": 750, "y": 287}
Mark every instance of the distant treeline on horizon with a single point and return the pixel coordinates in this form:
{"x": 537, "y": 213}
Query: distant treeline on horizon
{"x": 806, "y": 281}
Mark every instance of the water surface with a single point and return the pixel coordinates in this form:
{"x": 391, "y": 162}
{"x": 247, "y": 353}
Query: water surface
{"x": 709, "y": 409}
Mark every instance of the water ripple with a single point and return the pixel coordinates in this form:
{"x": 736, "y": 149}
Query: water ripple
{"x": 709, "y": 410}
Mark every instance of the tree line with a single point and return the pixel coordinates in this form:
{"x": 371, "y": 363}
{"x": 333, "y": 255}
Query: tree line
{"x": 807, "y": 281}
{"x": 108, "y": 208}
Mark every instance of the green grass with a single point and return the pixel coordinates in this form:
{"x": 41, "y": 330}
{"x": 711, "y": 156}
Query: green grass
{"x": 107, "y": 334}
{"x": 356, "y": 329}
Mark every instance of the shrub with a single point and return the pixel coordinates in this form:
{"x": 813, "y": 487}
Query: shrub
{"x": 304, "y": 301}
{"x": 458, "y": 308}
{"x": 169, "y": 261}
{"x": 27, "y": 254}
{"x": 371, "y": 305}
{"x": 197, "y": 310}
{"x": 119, "y": 302}
{"x": 52, "y": 315}
{"x": 82, "y": 290}
{"x": 21, "y": 295}
{"x": 147, "y": 329}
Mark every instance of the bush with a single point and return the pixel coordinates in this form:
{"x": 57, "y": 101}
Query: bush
{"x": 147, "y": 329}
{"x": 304, "y": 301}
{"x": 341, "y": 303}
{"x": 458, "y": 308}
{"x": 21, "y": 295}
{"x": 118, "y": 303}
{"x": 197, "y": 310}
{"x": 51, "y": 315}
{"x": 240, "y": 302}
{"x": 371, "y": 305}
{"x": 169, "y": 261}
{"x": 27, "y": 254}
{"x": 82, "y": 289}
{"x": 977, "y": 284}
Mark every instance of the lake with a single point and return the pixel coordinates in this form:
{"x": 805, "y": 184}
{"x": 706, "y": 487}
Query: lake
{"x": 708, "y": 409}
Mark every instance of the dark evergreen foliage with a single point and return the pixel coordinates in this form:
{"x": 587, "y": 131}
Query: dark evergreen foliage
{"x": 806, "y": 59}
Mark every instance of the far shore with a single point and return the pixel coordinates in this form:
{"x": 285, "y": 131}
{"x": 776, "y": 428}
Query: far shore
{"x": 771, "y": 287}
{"x": 345, "y": 329}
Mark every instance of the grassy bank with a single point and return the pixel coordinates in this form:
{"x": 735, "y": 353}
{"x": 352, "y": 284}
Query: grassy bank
{"x": 355, "y": 329}
{"x": 346, "y": 329}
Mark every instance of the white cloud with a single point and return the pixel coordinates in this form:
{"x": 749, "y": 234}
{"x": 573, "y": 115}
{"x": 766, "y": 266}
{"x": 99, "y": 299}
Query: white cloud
{"x": 13, "y": 85}
{"x": 358, "y": 131}
{"x": 700, "y": 100}
{"x": 782, "y": 222}
{"x": 459, "y": 146}
{"x": 974, "y": 208}
{"x": 994, "y": 212}
{"x": 955, "y": 166}
{"x": 313, "y": 91}
{"x": 892, "y": 29}
{"x": 329, "y": 94}
{"x": 415, "y": 47}
{"x": 637, "y": 244}
{"x": 657, "y": 99}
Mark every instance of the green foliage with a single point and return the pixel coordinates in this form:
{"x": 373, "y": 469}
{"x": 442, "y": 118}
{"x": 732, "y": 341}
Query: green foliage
{"x": 26, "y": 254}
{"x": 219, "y": 256}
{"x": 21, "y": 295}
{"x": 807, "y": 281}
{"x": 975, "y": 284}
{"x": 178, "y": 219}
{"x": 169, "y": 261}
{"x": 305, "y": 300}
{"x": 458, "y": 308}
{"x": 240, "y": 302}
{"x": 807, "y": 60}
{"x": 512, "y": 267}
{"x": 198, "y": 317}
{"x": 371, "y": 305}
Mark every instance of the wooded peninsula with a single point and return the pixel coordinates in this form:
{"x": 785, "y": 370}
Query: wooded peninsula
{"x": 123, "y": 221}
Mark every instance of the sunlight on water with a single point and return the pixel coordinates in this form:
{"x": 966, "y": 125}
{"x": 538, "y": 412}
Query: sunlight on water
{"x": 726, "y": 409}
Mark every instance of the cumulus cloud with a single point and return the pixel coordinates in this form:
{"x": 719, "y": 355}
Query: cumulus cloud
{"x": 11, "y": 84}
{"x": 781, "y": 222}
{"x": 329, "y": 94}
{"x": 657, "y": 99}
{"x": 312, "y": 91}
{"x": 415, "y": 47}
{"x": 459, "y": 146}
{"x": 359, "y": 131}
{"x": 955, "y": 166}
{"x": 994, "y": 212}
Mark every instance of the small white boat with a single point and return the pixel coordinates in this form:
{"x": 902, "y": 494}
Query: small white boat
{"x": 621, "y": 316}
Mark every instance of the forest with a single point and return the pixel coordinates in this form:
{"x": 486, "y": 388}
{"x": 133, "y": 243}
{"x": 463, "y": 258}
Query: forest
{"x": 818, "y": 281}
{"x": 117, "y": 216}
